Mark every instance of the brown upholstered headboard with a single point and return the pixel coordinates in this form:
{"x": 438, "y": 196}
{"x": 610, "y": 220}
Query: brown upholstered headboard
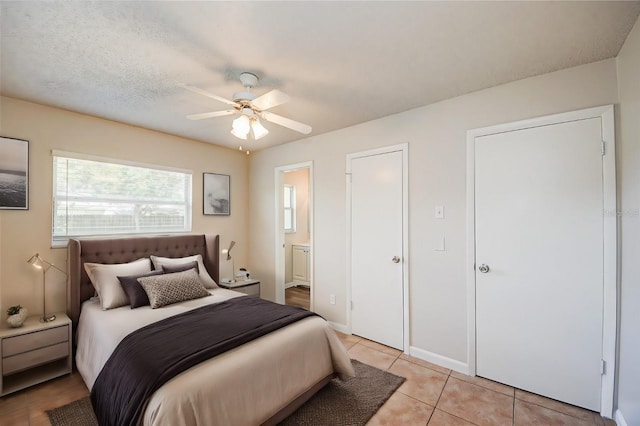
{"x": 122, "y": 250}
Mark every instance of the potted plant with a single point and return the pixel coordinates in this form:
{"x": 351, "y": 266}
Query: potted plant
{"x": 17, "y": 316}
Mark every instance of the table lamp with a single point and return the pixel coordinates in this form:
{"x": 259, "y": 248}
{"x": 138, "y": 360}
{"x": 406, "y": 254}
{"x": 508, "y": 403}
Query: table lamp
{"x": 37, "y": 262}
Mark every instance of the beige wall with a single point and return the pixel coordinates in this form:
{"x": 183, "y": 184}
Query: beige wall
{"x": 299, "y": 178}
{"x": 437, "y": 176}
{"x": 23, "y": 233}
{"x": 628, "y": 62}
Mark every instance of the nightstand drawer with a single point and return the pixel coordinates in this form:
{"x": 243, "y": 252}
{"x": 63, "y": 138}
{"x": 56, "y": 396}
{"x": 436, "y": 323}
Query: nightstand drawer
{"x": 33, "y": 358}
{"x": 251, "y": 290}
{"x": 37, "y": 339}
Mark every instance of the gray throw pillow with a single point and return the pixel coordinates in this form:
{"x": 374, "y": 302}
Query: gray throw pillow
{"x": 166, "y": 289}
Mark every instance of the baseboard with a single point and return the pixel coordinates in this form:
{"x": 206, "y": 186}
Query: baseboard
{"x": 440, "y": 360}
{"x": 619, "y": 418}
{"x": 339, "y": 327}
{"x": 289, "y": 285}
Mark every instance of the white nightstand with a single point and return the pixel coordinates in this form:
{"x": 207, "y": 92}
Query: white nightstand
{"x": 248, "y": 287}
{"x": 34, "y": 353}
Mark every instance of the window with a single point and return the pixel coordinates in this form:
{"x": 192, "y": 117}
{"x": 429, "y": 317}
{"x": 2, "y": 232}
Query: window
{"x": 97, "y": 196}
{"x": 289, "y": 208}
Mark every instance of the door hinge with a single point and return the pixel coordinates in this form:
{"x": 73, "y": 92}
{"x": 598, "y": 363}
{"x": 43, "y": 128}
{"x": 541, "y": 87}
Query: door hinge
{"x": 603, "y": 148}
{"x": 603, "y": 366}
{"x": 352, "y": 305}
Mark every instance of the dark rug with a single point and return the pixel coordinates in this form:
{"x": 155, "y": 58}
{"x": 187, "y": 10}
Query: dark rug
{"x": 340, "y": 403}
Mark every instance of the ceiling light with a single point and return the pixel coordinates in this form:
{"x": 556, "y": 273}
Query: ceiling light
{"x": 258, "y": 129}
{"x": 241, "y": 127}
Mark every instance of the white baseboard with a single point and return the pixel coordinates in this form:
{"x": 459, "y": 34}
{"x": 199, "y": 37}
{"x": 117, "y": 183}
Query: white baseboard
{"x": 619, "y": 418}
{"x": 289, "y": 285}
{"x": 443, "y": 361}
{"x": 339, "y": 327}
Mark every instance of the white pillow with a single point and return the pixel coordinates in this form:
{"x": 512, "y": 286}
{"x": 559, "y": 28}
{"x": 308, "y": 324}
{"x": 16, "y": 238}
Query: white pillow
{"x": 105, "y": 280}
{"x": 206, "y": 279}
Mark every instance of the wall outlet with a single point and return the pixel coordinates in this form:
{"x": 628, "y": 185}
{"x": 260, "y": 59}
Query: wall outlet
{"x": 439, "y": 212}
{"x": 332, "y": 299}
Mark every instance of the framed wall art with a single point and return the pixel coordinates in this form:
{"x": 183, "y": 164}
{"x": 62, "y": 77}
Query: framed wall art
{"x": 216, "y": 194}
{"x": 14, "y": 174}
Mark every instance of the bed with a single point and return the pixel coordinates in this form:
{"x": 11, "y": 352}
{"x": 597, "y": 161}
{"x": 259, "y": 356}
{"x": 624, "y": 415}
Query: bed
{"x": 259, "y": 382}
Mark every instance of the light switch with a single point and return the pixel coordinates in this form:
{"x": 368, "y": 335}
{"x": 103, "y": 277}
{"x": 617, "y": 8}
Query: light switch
{"x": 439, "y": 212}
{"x": 440, "y": 245}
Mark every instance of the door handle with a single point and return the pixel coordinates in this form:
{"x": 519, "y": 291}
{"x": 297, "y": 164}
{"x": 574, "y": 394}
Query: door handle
{"x": 483, "y": 268}
{"x": 395, "y": 259}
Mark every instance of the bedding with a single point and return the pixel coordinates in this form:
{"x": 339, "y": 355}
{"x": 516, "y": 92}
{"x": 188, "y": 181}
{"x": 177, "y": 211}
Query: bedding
{"x": 180, "y": 342}
{"x": 133, "y": 289}
{"x": 166, "y": 289}
{"x": 168, "y": 269}
{"x": 105, "y": 280}
{"x": 253, "y": 382}
{"x": 159, "y": 262}
{"x": 260, "y": 382}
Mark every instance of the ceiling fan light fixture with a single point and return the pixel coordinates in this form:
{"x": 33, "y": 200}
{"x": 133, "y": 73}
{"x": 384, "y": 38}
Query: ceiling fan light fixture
{"x": 241, "y": 127}
{"x": 259, "y": 131}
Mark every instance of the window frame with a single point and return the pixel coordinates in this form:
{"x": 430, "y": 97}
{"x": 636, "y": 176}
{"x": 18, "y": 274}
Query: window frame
{"x": 62, "y": 241}
{"x": 292, "y": 210}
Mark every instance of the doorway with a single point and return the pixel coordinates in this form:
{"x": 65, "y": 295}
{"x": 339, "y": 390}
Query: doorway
{"x": 294, "y": 235}
{"x": 542, "y": 290}
{"x": 377, "y": 246}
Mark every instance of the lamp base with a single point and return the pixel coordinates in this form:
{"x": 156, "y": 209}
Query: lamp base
{"x": 47, "y": 318}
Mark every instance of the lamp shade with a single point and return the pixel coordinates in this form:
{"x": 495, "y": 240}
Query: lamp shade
{"x": 241, "y": 127}
{"x": 233, "y": 243}
{"x": 258, "y": 129}
{"x": 37, "y": 262}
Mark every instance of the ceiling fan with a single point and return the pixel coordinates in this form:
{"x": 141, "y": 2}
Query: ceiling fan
{"x": 250, "y": 109}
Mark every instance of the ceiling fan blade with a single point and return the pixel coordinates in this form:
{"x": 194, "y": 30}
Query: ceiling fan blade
{"x": 270, "y": 100}
{"x": 211, "y": 114}
{"x": 207, "y": 94}
{"x": 286, "y": 122}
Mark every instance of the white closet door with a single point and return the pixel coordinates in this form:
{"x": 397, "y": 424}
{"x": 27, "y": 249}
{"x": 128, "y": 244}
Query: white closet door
{"x": 539, "y": 229}
{"x": 376, "y": 239}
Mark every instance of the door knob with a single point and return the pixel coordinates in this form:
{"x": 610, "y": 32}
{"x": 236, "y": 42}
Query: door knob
{"x": 483, "y": 268}
{"x": 395, "y": 259}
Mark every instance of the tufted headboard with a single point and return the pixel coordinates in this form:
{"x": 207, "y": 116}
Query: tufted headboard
{"x": 122, "y": 250}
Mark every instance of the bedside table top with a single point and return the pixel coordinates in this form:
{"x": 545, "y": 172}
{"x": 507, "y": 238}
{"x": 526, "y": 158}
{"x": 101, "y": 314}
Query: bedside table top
{"x": 238, "y": 283}
{"x": 33, "y": 324}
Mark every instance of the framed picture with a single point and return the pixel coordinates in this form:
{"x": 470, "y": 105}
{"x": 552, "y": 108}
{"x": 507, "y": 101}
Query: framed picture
{"x": 14, "y": 174}
{"x": 216, "y": 194}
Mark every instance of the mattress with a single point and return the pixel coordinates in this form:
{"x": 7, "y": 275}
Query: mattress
{"x": 244, "y": 386}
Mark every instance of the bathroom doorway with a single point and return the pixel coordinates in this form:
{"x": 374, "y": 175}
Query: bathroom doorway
{"x": 294, "y": 264}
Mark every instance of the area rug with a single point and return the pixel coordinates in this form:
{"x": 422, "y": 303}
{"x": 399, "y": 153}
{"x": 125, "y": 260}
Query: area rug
{"x": 341, "y": 403}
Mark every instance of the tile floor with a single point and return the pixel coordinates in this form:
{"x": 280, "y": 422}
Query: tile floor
{"x": 437, "y": 396}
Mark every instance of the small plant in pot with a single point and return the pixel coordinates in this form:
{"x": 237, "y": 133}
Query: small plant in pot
{"x": 17, "y": 316}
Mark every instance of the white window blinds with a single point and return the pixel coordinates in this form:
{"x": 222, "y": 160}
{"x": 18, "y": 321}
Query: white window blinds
{"x": 96, "y": 196}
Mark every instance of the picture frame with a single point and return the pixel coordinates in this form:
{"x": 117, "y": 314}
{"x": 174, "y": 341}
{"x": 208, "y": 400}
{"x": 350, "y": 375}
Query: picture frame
{"x": 216, "y": 194}
{"x": 14, "y": 174}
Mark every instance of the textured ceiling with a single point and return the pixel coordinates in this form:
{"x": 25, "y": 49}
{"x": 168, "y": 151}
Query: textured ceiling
{"x": 342, "y": 63}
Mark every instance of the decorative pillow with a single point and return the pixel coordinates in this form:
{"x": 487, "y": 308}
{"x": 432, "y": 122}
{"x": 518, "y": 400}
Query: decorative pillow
{"x": 133, "y": 289}
{"x": 170, "y": 269}
{"x": 105, "y": 280}
{"x": 159, "y": 262}
{"x": 166, "y": 289}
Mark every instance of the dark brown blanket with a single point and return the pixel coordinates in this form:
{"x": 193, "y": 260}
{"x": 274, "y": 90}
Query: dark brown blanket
{"x": 153, "y": 355}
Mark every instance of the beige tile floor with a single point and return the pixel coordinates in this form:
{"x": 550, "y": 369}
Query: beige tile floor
{"x": 437, "y": 396}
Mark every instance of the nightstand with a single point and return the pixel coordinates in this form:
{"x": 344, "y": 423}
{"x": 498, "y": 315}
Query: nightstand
{"x": 248, "y": 287}
{"x": 34, "y": 353}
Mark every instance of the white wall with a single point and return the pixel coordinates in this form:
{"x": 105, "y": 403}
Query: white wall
{"x": 437, "y": 174}
{"x": 24, "y": 233}
{"x": 300, "y": 179}
{"x": 628, "y": 63}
